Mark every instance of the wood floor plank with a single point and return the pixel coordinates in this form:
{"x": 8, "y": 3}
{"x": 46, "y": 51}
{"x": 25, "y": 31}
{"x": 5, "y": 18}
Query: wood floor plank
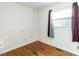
{"x": 37, "y": 49}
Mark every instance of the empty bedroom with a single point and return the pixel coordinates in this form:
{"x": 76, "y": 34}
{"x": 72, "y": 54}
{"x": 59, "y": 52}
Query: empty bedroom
{"x": 39, "y": 28}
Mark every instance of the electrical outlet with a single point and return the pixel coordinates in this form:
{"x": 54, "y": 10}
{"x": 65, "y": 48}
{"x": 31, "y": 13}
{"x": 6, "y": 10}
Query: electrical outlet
{"x": 7, "y": 37}
{"x": 1, "y": 42}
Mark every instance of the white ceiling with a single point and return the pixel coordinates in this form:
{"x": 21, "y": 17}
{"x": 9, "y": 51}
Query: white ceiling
{"x": 36, "y": 5}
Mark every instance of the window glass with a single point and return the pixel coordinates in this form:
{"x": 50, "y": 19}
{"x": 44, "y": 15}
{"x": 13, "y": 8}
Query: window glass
{"x": 62, "y": 18}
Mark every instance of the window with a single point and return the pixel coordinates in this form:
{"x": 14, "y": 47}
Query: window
{"x": 61, "y": 18}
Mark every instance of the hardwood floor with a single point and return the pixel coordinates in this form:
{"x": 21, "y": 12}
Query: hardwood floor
{"x": 37, "y": 49}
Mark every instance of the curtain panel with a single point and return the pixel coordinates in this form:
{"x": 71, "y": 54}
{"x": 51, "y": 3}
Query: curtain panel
{"x": 75, "y": 22}
{"x": 50, "y": 25}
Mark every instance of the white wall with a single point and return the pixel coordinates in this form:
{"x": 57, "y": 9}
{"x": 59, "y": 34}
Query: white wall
{"x": 63, "y": 36}
{"x": 18, "y": 26}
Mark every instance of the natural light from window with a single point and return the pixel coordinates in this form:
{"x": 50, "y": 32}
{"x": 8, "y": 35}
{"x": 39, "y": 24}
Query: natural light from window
{"x": 62, "y": 19}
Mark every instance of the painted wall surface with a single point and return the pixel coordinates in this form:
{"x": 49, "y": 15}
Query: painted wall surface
{"x": 63, "y": 36}
{"x": 18, "y": 26}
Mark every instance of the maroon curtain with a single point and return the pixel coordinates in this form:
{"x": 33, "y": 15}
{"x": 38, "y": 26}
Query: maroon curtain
{"x": 50, "y": 25}
{"x": 75, "y": 22}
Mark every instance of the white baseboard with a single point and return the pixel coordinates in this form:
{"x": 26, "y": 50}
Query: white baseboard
{"x": 59, "y": 47}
